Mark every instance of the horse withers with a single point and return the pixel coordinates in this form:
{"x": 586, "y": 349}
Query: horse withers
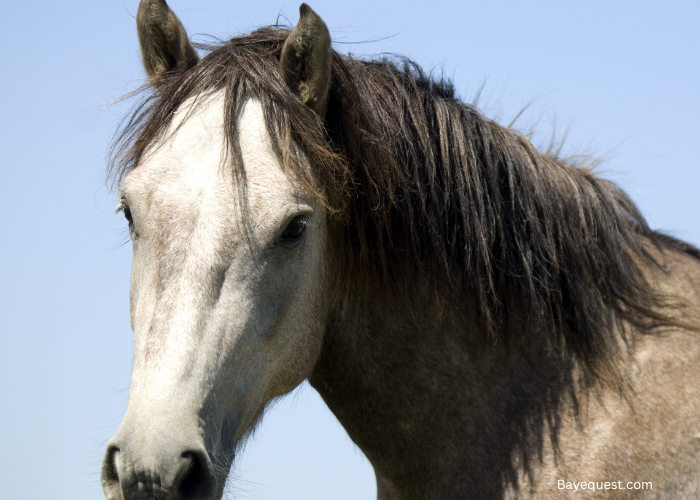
{"x": 485, "y": 320}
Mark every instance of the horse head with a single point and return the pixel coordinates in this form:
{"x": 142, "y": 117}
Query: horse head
{"x": 228, "y": 297}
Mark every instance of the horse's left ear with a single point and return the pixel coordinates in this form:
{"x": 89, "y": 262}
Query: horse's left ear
{"x": 305, "y": 63}
{"x": 164, "y": 43}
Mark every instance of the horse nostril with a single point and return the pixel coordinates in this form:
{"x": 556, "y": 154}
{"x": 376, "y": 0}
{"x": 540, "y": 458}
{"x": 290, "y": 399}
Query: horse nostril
{"x": 153, "y": 472}
{"x": 109, "y": 475}
{"x": 196, "y": 480}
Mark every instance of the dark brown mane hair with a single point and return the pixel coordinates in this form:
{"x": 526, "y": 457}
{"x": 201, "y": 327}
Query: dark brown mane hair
{"x": 421, "y": 187}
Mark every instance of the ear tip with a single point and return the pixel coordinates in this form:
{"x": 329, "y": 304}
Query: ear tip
{"x": 306, "y": 10}
{"x": 151, "y": 11}
{"x": 309, "y": 17}
{"x": 144, "y": 4}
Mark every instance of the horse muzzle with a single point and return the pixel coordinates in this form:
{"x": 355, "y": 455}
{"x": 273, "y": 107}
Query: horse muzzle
{"x": 147, "y": 468}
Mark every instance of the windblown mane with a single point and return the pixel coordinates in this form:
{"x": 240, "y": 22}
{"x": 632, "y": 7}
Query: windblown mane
{"x": 420, "y": 186}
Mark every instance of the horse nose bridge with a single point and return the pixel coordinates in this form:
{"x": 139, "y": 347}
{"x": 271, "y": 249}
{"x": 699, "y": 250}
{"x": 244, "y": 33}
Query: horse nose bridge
{"x": 147, "y": 467}
{"x": 184, "y": 298}
{"x": 171, "y": 331}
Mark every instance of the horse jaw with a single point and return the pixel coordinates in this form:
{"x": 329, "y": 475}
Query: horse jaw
{"x": 224, "y": 318}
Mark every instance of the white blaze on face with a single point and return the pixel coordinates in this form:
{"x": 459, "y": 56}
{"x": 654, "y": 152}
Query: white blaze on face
{"x": 223, "y": 320}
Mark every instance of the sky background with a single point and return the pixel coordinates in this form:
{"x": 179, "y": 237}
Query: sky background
{"x": 622, "y": 76}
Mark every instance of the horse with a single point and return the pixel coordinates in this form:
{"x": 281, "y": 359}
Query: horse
{"x": 485, "y": 320}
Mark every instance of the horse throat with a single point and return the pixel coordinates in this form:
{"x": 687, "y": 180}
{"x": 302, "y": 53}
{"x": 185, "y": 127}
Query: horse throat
{"x": 437, "y": 415}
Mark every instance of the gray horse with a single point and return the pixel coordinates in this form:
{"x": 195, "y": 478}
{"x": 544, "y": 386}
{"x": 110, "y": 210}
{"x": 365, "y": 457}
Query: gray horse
{"x": 485, "y": 320}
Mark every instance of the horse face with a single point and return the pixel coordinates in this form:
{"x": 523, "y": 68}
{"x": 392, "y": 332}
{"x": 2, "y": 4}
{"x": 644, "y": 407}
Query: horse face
{"x": 227, "y": 303}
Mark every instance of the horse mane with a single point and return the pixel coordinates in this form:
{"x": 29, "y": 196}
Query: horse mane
{"x": 420, "y": 187}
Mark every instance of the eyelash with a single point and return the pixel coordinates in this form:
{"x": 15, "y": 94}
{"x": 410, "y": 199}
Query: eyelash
{"x": 124, "y": 208}
{"x": 304, "y": 219}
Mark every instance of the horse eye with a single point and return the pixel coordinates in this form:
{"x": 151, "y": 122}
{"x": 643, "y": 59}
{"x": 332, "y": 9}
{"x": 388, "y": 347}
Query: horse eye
{"x": 295, "y": 228}
{"x": 124, "y": 208}
{"x": 127, "y": 214}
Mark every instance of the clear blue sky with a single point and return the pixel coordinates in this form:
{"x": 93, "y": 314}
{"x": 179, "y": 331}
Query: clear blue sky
{"x": 624, "y": 74}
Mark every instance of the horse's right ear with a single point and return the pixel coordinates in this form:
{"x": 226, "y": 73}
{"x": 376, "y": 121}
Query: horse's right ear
{"x": 305, "y": 62}
{"x": 164, "y": 43}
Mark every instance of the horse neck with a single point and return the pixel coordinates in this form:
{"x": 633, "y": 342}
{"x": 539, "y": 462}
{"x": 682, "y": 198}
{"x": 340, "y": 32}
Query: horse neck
{"x": 418, "y": 395}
